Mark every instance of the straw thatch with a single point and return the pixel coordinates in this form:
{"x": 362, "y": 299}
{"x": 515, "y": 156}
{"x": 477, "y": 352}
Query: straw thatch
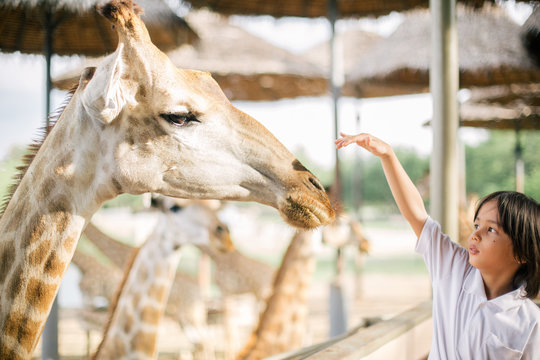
{"x": 490, "y": 53}
{"x": 515, "y": 107}
{"x": 354, "y": 44}
{"x": 245, "y": 66}
{"x": 80, "y": 29}
{"x": 498, "y": 117}
{"x": 315, "y": 8}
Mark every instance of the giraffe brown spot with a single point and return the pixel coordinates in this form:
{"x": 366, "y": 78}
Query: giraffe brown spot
{"x": 142, "y": 90}
{"x": 128, "y": 322}
{"x": 62, "y": 220}
{"x": 70, "y": 243}
{"x": 35, "y": 230}
{"x": 37, "y": 255}
{"x": 60, "y": 204}
{"x": 7, "y": 254}
{"x": 150, "y": 315}
{"x": 15, "y": 285}
{"x": 117, "y": 185}
{"x": 144, "y": 343}
{"x": 22, "y": 329}
{"x": 46, "y": 187}
{"x": 54, "y": 266}
{"x": 157, "y": 292}
{"x": 40, "y": 295}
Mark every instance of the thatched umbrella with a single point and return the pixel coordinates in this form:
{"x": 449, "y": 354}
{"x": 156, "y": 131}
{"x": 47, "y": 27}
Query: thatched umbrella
{"x": 490, "y": 53}
{"x": 316, "y": 8}
{"x": 69, "y": 27}
{"x": 255, "y": 70}
{"x": 513, "y": 107}
{"x": 355, "y": 44}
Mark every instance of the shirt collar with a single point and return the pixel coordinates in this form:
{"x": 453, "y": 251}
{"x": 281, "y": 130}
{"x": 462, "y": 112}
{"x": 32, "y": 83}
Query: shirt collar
{"x": 474, "y": 285}
{"x": 509, "y": 300}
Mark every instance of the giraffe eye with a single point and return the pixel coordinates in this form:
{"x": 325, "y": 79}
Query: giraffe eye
{"x": 179, "y": 119}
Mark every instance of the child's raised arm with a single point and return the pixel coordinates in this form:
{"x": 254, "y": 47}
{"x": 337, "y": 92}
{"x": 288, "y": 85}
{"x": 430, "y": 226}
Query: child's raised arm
{"x": 407, "y": 197}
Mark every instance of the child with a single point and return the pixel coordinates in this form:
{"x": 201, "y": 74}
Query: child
{"x": 482, "y": 306}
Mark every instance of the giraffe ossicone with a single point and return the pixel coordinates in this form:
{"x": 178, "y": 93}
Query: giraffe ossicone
{"x": 135, "y": 124}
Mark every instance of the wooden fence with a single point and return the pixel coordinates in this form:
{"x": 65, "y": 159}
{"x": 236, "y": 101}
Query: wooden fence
{"x": 406, "y": 336}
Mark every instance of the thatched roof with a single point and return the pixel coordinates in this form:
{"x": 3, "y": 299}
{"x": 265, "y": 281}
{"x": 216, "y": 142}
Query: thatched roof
{"x": 354, "y": 44}
{"x": 514, "y": 106}
{"x": 514, "y": 95}
{"x": 490, "y": 53}
{"x": 80, "y": 29}
{"x": 315, "y": 8}
{"x": 498, "y": 117}
{"x": 245, "y": 66}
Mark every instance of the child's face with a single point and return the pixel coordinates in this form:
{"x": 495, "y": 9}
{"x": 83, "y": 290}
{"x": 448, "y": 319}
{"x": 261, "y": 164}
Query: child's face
{"x": 490, "y": 249}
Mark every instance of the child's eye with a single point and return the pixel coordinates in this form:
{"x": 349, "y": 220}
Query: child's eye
{"x": 492, "y": 230}
{"x": 476, "y": 226}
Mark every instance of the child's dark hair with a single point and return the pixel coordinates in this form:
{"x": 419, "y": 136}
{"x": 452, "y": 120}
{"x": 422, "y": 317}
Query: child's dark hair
{"x": 519, "y": 216}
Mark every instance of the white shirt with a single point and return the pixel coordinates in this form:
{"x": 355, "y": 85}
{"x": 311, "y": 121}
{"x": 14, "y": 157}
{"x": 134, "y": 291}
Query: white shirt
{"x": 465, "y": 324}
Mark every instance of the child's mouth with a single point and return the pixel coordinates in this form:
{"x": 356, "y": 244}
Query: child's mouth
{"x": 473, "y": 250}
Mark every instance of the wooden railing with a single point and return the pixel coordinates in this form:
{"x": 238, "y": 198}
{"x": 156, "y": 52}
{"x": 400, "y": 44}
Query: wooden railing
{"x": 406, "y": 336}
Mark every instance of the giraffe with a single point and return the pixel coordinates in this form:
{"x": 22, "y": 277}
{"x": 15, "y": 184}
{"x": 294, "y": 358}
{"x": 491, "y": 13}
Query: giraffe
{"x": 185, "y": 303}
{"x": 282, "y": 324}
{"x": 239, "y": 273}
{"x": 135, "y": 314}
{"x": 135, "y": 124}
{"x": 97, "y": 280}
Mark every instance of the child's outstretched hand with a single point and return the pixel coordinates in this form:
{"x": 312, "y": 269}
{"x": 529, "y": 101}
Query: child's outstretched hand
{"x": 369, "y": 142}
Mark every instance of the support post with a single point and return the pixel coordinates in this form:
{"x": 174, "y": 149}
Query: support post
{"x": 444, "y": 84}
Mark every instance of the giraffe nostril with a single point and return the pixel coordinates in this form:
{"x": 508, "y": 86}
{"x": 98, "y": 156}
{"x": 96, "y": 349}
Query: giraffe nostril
{"x": 316, "y": 183}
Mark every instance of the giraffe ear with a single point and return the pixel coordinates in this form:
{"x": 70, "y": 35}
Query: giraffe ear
{"x": 104, "y": 96}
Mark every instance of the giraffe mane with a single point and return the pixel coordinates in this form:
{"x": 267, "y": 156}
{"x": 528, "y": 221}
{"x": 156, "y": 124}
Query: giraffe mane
{"x": 114, "y": 302}
{"x": 33, "y": 149}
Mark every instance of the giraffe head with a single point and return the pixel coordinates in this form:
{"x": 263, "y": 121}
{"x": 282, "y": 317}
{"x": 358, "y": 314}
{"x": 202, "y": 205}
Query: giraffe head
{"x": 193, "y": 221}
{"x": 173, "y": 131}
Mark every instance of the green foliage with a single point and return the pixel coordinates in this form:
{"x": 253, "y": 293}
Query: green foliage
{"x": 8, "y": 168}
{"x": 491, "y": 164}
{"x": 364, "y": 180}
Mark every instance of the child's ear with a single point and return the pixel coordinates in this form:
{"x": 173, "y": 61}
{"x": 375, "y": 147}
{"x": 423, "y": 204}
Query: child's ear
{"x": 104, "y": 97}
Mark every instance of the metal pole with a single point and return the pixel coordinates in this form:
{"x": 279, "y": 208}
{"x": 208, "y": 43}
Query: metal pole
{"x": 49, "y": 338}
{"x": 520, "y": 166}
{"x": 338, "y": 316}
{"x": 336, "y": 81}
{"x": 444, "y": 79}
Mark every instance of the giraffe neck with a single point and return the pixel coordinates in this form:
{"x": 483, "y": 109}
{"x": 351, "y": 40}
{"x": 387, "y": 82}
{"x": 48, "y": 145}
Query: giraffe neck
{"x": 135, "y": 317}
{"x": 282, "y": 324}
{"x": 39, "y": 231}
{"x": 116, "y": 251}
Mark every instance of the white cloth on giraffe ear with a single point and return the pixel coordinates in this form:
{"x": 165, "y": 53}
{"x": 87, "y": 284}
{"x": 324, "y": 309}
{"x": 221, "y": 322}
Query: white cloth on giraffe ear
{"x": 104, "y": 97}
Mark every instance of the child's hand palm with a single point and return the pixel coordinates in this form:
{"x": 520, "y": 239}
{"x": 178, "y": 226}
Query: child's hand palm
{"x": 369, "y": 142}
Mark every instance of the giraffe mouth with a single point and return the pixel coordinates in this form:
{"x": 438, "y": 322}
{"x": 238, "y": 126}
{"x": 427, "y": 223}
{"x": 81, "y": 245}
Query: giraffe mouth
{"x": 306, "y": 214}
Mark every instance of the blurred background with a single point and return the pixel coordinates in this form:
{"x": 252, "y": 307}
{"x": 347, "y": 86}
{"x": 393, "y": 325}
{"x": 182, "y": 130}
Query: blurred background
{"x": 277, "y": 69}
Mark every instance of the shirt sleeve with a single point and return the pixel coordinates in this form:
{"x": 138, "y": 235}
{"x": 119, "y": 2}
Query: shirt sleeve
{"x": 441, "y": 255}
